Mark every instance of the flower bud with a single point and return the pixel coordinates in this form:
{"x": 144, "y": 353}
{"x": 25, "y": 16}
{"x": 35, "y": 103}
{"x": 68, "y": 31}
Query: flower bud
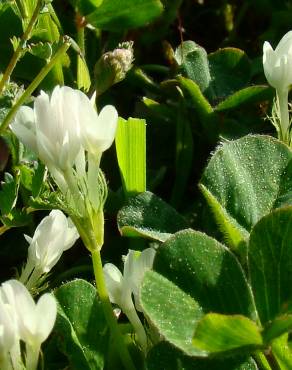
{"x": 113, "y": 66}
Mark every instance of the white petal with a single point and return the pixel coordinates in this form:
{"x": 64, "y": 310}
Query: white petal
{"x": 71, "y": 235}
{"x": 27, "y": 238}
{"x": 80, "y": 164}
{"x": 130, "y": 262}
{"x": 65, "y": 104}
{"x": 44, "y": 116}
{"x": 24, "y": 128}
{"x": 8, "y": 329}
{"x": 58, "y": 127}
{"x": 53, "y": 235}
{"x": 20, "y": 298}
{"x": 58, "y": 178}
{"x": 278, "y": 63}
{"x": 45, "y": 316}
{"x": 113, "y": 279}
{"x": 100, "y": 133}
{"x": 284, "y": 44}
{"x": 134, "y": 270}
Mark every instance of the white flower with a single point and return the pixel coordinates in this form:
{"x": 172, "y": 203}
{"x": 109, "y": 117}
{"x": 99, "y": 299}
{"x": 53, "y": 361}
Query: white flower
{"x": 35, "y": 321}
{"x": 121, "y": 287}
{"x": 99, "y": 130}
{"x": 10, "y": 356}
{"x": 278, "y": 63}
{"x": 8, "y": 328}
{"x": 52, "y": 128}
{"x": 57, "y": 127}
{"x": 135, "y": 266}
{"x": 55, "y": 234}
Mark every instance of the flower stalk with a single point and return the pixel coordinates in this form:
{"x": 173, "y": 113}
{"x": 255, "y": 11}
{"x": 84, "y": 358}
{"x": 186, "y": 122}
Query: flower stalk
{"x": 278, "y": 71}
{"x": 108, "y": 310}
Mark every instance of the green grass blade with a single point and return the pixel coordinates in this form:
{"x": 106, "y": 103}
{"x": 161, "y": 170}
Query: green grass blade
{"x": 131, "y": 154}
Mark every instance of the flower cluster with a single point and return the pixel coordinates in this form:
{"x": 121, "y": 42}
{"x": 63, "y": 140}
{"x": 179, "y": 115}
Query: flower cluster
{"x": 55, "y": 234}
{"x": 121, "y": 287}
{"x": 278, "y": 71}
{"x": 68, "y": 135}
{"x": 23, "y": 320}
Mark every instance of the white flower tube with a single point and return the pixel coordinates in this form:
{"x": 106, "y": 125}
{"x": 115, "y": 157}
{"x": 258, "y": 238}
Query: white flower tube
{"x": 121, "y": 287}
{"x": 278, "y": 71}
{"x": 55, "y": 234}
{"x": 34, "y": 321}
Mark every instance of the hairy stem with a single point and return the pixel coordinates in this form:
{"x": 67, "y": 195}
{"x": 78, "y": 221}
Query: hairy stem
{"x": 17, "y": 54}
{"x": 34, "y": 84}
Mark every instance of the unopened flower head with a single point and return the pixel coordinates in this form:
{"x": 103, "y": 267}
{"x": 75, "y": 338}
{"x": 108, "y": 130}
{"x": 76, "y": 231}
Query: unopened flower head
{"x": 113, "y": 66}
{"x": 121, "y": 59}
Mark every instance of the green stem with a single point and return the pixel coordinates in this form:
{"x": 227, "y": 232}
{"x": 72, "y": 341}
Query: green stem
{"x": 155, "y": 68}
{"x": 34, "y": 84}
{"x": 108, "y": 310}
{"x": 282, "y": 97}
{"x": 81, "y": 44}
{"x": 17, "y": 54}
{"x": 262, "y": 361}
